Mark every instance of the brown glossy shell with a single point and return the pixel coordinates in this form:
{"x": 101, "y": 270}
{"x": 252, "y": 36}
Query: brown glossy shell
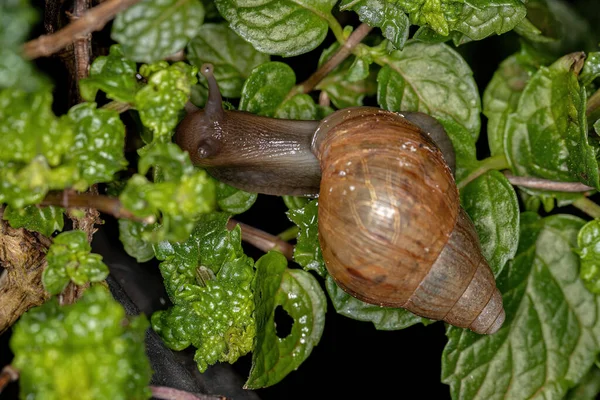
{"x": 391, "y": 227}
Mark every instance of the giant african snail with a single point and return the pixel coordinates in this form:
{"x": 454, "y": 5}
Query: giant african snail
{"x": 391, "y": 227}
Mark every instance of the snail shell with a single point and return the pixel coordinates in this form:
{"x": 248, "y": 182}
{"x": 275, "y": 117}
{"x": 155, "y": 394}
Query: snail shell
{"x": 391, "y": 227}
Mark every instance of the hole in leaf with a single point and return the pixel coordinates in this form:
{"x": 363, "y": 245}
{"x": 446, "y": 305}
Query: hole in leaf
{"x": 283, "y": 322}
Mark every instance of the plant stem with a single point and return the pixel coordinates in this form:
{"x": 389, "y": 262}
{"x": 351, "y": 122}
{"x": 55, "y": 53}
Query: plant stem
{"x": 491, "y": 163}
{"x": 262, "y": 240}
{"x": 336, "y": 28}
{"x": 9, "y": 374}
{"x": 343, "y": 52}
{"x": 117, "y": 106}
{"x": 588, "y": 206}
{"x": 545, "y": 184}
{"x": 167, "y": 393}
{"x": 91, "y": 21}
{"x": 105, "y": 204}
{"x": 289, "y": 233}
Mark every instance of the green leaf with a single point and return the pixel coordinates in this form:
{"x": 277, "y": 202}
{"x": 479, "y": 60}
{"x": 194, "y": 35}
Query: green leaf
{"x": 54, "y": 345}
{"x": 152, "y": 30}
{"x": 293, "y": 202}
{"x": 431, "y": 78}
{"x": 161, "y": 101}
{"x": 266, "y": 88}
{"x": 492, "y": 204}
{"x": 546, "y": 136}
{"x": 284, "y": 27}
{"x": 588, "y": 388}
{"x": 300, "y": 106}
{"x": 501, "y": 98}
{"x": 17, "y": 73}
{"x": 179, "y": 198}
{"x": 45, "y": 220}
{"x": 16, "y": 18}
{"x": 345, "y": 86}
{"x": 550, "y": 337}
{"x": 69, "y": 259}
{"x": 591, "y": 69}
{"x": 384, "y": 318}
{"x": 464, "y": 147}
{"x": 232, "y": 57}
{"x": 300, "y": 295}
{"x": 130, "y": 234}
{"x": 588, "y": 243}
{"x": 99, "y": 143}
{"x": 307, "y": 251}
{"x": 209, "y": 280}
{"x": 382, "y": 14}
{"x": 232, "y": 200}
{"x": 482, "y": 18}
{"x": 114, "y": 74}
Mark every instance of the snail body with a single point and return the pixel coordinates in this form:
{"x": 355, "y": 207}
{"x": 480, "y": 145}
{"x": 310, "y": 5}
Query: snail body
{"x": 391, "y": 227}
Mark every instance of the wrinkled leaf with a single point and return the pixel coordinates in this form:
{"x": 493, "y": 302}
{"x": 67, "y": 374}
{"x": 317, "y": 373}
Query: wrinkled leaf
{"x": 588, "y": 242}
{"x": 307, "y": 251}
{"x": 384, "y": 318}
{"x": 588, "y": 388}
{"x": 266, "y": 88}
{"x": 69, "y": 259}
{"x": 546, "y": 136}
{"x": 501, "y": 98}
{"x": 300, "y": 295}
{"x": 54, "y": 345}
{"x": 161, "y": 101}
{"x": 300, "y": 106}
{"x": 431, "y": 78}
{"x": 591, "y": 68}
{"x": 383, "y": 14}
{"x": 232, "y": 57}
{"x": 114, "y": 74}
{"x": 45, "y": 220}
{"x": 154, "y": 29}
{"x": 285, "y": 27}
{"x": 482, "y": 18}
{"x": 549, "y": 338}
{"x": 492, "y": 204}
{"x": 130, "y": 234}
{"x": 232, "y": 200}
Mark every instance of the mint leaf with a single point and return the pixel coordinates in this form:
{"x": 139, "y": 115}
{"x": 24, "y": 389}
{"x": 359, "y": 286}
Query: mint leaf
{"x": 300, "y": 295}
{"x": 405, "y": 83}
{"x": 16, "y": 18}
{"x": 232, "y": 57}
{"x": 589, "y": 253}
{"x": 549, "y": 339}
{"x": 266, "y": 88}
{"x": 45, "y": 220}
{"x": 492, "y": 204}
{"x": 161, "y": 101}
{"x": 17, "y": 73}
{"x": 152, "y": 30}
{"x": 384, "y": 318}
{"x": 464, "y": 147}
{"x": 285, "y": 27}
{"x": 93, "y": 334}
{"x": 591, "y": 69}
{"x": 307, "y": 251}
{"x": 69, "y": 259}
{"x": 299, "y": 106}
{"x": 114, "y": 74}
{"x": 293, "y": 202}
{"x": 547, "y": 134}
{"x": 130, "y": 234}
{"x": 347, "y": 84}
{"x": 482, "y": 18}
{"x": 382, "y": 14}
{"x": 501, "y": 98}
{"x": 99, "y": 144}
{"x": 232, "y": 200}
{"x": 588, "y": 388}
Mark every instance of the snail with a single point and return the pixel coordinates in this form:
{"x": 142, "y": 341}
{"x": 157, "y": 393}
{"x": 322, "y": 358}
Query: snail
{"x": 391, "y": 228}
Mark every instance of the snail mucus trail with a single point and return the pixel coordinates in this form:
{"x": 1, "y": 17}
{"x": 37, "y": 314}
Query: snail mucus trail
{"x": 391, "y": 227}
